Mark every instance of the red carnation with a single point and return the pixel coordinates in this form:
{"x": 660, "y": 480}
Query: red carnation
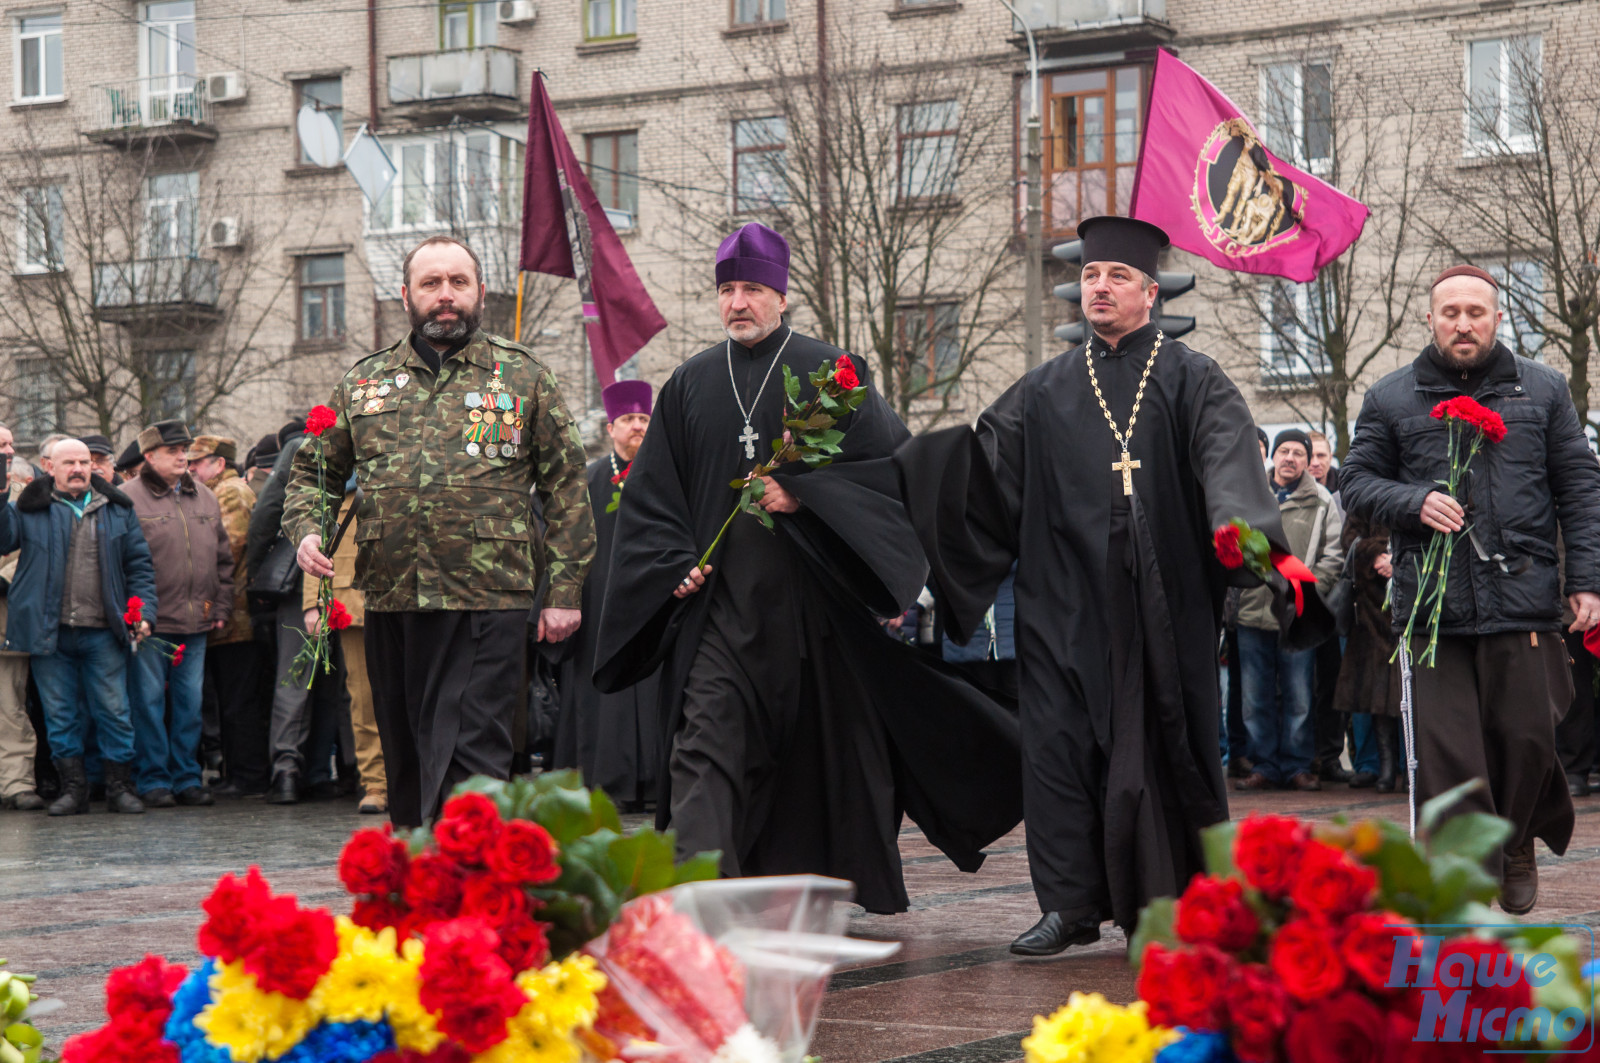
{"x": 524, "y": 854}
{"x": 177, "y": 654}
{"x": 1213, "y": 911}
{"x": 1184, "y": 987}
{"x": 1258, "y": 1012}
{"x": 376, "y": 913}
{"x": 1472, "y": 412}
{"x": 124, "y": 1038}
{"x": 469, "y": 827}
{"x": 294, "y": 948}
{"x": 1370, "y": 942}
{"x": 623, "y": 475}
{"x": 459, "y": 960}
{"x": 234, "y": 908}
{"x": 844, "y": 373}
{"x": 1330, "y": 884}
{"x": 1266, "y": 850}
{"x": 135, "y": 612}
{"x": 499, "y": 903}
{"x": 373, "y": 861}
{"x": 1225, "y": 541}
{"x": 144, "y": 987}
{"x": 1347, "y": 1028}
{"x": 339, "y": 617}
{"x": 524, "y": 944}
{"x": 1303, "y": 954}
{"x": 320, "y": 419}
{"x": 433, "y": 886}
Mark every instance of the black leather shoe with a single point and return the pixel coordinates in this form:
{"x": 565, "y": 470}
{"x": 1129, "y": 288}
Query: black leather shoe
{"x": 326, "y": 790}
{"x": 1333, "y": 773}
{"x": 1052, "y": 934}
{"x": 195, "y": 796}
{"x": 1519, "y": 892}
{"x": 25, "y": 801}
{"x": 1578, "y": 785}
{"x": 1361, "y": 780}
{"x": 160, "y": 797}
{"x": 285, "y": 789}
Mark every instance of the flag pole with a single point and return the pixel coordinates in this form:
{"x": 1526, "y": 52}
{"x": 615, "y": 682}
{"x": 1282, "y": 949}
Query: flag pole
{"x": 516, "y": 329}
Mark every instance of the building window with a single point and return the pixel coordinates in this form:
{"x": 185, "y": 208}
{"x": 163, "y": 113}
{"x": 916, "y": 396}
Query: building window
{"x": 1092, "y": 121}
{"x": 759, "y": 174}
{"x": 1291, "y": 351}
{"x": 464, "y": 24}
{"x": 170, "y": 204}
{"x": 36, "y": 400}
{"x": 167, "y": 61}
{"x": 325, "y": 95}
{"x": 42, "y": 234}
{"x": 606, "y": 20}
{"x": 927, "y": 149}
{"x": 451, "y": 180}
{"x": 1297, "y": 114}
{"x": 1522, "y": 303}
{"x": 38, "y": 58}
{"x": 321, "y": 298}
{"x": 929, "y": 340}
{"x": 755, "y": 12}
{"x": 1502, "y": 78}
{"x": 613, "y": 167}
{"x": 170, "y": 386}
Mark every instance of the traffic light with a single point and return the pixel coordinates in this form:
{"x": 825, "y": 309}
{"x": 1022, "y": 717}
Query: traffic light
{"x": 1172, "y": 285}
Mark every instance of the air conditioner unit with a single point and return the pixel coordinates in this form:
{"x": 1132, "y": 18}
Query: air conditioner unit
{"x": 224, "y": 88}
{"x": 224, "y": 233}
{"x": 512, "y": 12}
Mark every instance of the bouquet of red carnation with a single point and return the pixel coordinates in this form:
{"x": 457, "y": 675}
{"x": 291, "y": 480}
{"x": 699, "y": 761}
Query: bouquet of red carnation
{"x": 133, "y": 616}
{"x": 1289, "y": 945}
{"x": 1469, "y": 425}
{"x": 315, "y": 651}
{"x": 809, "y": 436}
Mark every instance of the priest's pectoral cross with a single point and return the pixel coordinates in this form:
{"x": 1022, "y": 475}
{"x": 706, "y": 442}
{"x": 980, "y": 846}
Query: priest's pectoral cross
{"x": 1125, "y": 467}
{"x": 748, "y": 437}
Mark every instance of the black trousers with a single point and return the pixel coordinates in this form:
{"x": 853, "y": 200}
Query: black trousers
{"x": 240, "y": 674}
{"x": 1329, "y": 722}
{"x": 446, "y": 687}
{"x": 1575, "y": 735}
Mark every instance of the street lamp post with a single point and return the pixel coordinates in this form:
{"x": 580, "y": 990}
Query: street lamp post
{"x": 1033, "y": 299}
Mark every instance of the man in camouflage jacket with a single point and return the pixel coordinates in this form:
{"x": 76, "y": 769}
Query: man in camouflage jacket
{"x": 449, "y": 432}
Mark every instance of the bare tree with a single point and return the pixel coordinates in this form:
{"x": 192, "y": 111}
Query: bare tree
{"x": 886, "y": 176}
{"x": 1526, "y": 198}
{"x": 1320, "y": 340}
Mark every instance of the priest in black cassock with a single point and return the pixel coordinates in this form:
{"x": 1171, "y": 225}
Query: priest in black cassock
{"x": 614, "y": 739}
{"x": 797, "y": 731}
{"x": 1102, "y": 475}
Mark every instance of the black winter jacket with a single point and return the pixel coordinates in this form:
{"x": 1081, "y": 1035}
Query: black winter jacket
{"x": 1503, "y": 575}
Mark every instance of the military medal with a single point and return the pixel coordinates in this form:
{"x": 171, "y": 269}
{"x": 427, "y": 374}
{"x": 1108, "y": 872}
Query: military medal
{"x": 472, "y": 449}
{"x": 473, "y": 399}
{"x": 374, "y": 405}
{"x": 402, "y": 379}
{"x": 383, "y": 392}
{"x": 492, "y": 451}
{"x": 475, "y": 416}
{"x": 496, "y": 384}
{"x": 508, "y": 451}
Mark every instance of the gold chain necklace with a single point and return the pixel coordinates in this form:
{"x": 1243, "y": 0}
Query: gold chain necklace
{"x": 1127, "y": 464}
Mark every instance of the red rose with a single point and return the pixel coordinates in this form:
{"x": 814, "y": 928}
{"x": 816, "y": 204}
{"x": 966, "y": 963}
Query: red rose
{"x": 376, "y": 913}
{"x": 433, "y": 886}
{"x": 1304, "y": 956}
{"x": 1347, "y": 1028}
{"x": 844, "y": 373}
{"x": 1184, "y": 987}
{"x": 1225, "y": 541}
{"x": 339, "y": 617}
{"x": 373, "y": 861}
{"x": 1258, "y": 1012}
{"x": 1212, "y": 911}
{"x": 1331, "y": 884}
{"x": 525, "y": 854}
{"x": 144, "y": 987}
{"x": 319, "y": 420}
{"x": 469, "y": 826}
{"x": 294, "y": 948}
{"x": 1466, "y": 965}
{"x": 1266, "y": 850}
{"x": 1370, "y": 943}
{"x": 233, "y": 908}
{"x": 524, "y": 944}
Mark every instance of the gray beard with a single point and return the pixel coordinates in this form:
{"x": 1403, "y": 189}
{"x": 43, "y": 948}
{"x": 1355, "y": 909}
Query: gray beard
{"x": 465, "y": 324}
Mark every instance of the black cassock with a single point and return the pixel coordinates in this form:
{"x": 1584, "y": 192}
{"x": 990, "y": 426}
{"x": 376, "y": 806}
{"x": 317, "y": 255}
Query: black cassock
{"x": 614, "y": 739}
{"x": 800, "y": 731}
{"x": 1118, "y": 602}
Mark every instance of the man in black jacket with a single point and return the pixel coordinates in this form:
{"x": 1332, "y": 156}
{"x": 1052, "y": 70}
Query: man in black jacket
{"x": 1488, "y": 706}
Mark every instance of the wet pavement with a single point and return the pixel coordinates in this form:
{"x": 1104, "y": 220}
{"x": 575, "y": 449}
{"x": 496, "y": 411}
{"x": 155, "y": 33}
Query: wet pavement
{"x": 81, "y": 895}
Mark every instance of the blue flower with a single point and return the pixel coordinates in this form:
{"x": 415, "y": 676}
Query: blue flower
{"x": 1203, "y": 1046}
{"x": 341, "y": 1042}
{"x": 190, "y": 999}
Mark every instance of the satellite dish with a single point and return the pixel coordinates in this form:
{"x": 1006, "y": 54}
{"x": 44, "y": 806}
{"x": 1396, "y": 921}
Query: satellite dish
{"x": 319, "y": 137}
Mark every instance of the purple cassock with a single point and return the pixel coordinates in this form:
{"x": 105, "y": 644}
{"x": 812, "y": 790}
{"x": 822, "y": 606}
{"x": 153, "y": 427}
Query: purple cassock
{"x": 625, "y": 397}
{"x": 754, "y": 253}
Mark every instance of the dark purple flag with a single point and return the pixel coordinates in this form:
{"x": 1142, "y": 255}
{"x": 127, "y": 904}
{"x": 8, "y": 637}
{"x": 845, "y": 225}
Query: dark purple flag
{"x": 565, "y": 232}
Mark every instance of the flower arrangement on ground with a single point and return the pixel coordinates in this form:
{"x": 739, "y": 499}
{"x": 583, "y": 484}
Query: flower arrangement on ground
{"x": 19, "y": 1041}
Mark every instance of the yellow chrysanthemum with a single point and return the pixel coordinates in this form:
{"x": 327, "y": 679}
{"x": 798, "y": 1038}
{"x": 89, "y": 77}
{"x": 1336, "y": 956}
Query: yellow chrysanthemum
{"x": 415, "y": 1027}
{"x": 531, "y": 1039}
{"x": 1090, "y": 1029}
{"x": 363, "y": 978}
{"x": 252, "y": 1024}
{"x": 564, "y": 993}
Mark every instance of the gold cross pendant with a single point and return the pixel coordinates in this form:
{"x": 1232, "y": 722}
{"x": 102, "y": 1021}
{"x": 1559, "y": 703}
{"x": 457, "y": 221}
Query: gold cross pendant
{"x": 1125, "y": 467}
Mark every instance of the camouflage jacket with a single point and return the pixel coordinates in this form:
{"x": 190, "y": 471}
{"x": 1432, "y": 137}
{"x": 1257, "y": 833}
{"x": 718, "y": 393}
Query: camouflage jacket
{"x": 236, "y": 500}
{"x": 448, "y": 465}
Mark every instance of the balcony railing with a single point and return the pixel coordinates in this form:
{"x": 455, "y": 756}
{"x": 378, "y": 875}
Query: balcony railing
{"x": 1088, "y": 14}
{"x": 455, "y": 75}
{"x": 168, "y": 103}
{"x": 126, "y": 289}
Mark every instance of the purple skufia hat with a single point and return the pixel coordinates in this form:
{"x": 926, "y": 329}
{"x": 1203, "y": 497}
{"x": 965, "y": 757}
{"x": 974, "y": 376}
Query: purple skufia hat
{"x": 625, "y": 397}
{"x": 754, "y": 253}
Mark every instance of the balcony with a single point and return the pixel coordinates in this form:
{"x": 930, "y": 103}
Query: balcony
{"x": 155, "y": 292}
{"x": 1093, "y": 24}
{"x": 172, "y": 108}
{"x": 470, "y": 82}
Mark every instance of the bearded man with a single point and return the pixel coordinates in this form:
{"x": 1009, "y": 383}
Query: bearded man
{"x": 1487, "y": 707}
{"x": 614, "y": 739}
{"x": 448, "y": 433}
